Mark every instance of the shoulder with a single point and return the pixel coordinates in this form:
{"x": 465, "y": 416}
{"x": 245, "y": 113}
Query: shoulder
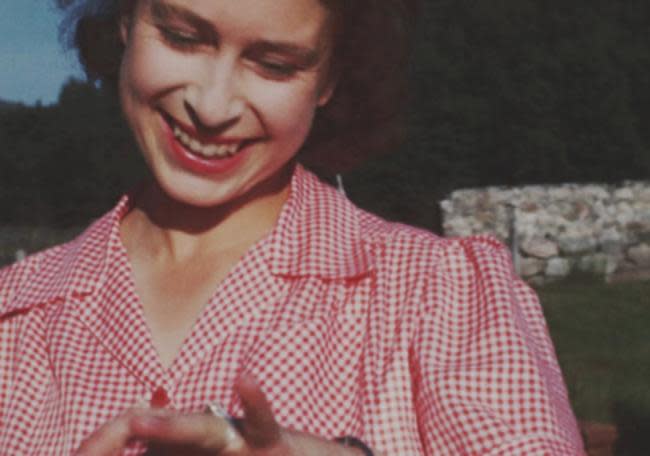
{"x": 406, "y": 252}
{"x": 434, "y": 270}
{"x": 51, "y": 274}
{"x": 39, "y": 266}
{"x": 424, "y": 252}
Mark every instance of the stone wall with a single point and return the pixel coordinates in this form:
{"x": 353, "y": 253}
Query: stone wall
{"x": 556, "y": 230}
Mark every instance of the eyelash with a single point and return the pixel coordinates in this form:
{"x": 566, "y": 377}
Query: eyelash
{"x": 187, "y": 42}
{"x": 179, "y": 39}
{"x": 278, "y": 70}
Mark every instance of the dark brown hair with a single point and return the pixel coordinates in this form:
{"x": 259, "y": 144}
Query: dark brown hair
{"x": 371, "y": 44}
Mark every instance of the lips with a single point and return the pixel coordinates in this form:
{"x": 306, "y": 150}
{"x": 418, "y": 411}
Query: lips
{"x": 210, "y": 150}
{"x": 202, "y": 154}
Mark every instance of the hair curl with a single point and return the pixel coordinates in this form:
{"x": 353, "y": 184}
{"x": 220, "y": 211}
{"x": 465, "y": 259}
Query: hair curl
{"x": 370, "y": 55}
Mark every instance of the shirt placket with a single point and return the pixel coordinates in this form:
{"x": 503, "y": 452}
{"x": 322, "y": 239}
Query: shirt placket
{"x": 115, "y": 316}
{"x": 246, "y": 293}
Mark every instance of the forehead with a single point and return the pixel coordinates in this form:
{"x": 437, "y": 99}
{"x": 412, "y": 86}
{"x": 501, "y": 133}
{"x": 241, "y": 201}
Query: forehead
{"x": 274, "y": 19}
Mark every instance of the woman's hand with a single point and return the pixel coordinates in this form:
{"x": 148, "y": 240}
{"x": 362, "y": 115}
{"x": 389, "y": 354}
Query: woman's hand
{"x": 257, "y": 433}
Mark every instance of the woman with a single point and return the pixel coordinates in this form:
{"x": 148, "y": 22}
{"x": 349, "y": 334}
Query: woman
{"x": 237, "y": 281}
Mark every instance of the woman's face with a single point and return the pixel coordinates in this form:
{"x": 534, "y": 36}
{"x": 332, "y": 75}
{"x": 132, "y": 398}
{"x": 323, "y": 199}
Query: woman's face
{"x": 221, "y": 94}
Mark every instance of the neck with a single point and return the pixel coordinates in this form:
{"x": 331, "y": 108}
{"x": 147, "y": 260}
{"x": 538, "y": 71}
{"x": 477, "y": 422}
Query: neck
{"x": 171, "y": 230}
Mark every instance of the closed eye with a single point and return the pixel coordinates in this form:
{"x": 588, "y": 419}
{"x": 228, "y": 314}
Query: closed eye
{"x": 179, "y": 39}
{"x": 279, "y": 60}
{"x": 278, "y": 70}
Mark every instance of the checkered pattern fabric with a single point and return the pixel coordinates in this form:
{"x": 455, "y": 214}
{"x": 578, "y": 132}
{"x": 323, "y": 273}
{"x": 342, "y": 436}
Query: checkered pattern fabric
{"x": 353, "y": 326}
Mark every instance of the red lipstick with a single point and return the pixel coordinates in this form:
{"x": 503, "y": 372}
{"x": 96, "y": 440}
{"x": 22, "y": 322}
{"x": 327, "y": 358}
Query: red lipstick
{"x": 198, "y": 164}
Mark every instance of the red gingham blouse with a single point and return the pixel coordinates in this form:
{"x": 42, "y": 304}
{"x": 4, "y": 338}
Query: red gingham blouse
{"x": 352, "y": 325}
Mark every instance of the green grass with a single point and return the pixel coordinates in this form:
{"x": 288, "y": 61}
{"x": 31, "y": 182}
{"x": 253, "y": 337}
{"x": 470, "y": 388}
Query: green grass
{"x": 602, "y": 337}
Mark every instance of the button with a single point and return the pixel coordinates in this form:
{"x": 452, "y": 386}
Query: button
{"x": 159, "y": 398}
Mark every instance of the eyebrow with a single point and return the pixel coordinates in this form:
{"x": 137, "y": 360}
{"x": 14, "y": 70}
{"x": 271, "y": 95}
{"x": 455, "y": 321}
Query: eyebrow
{"x": 162, "y": 11}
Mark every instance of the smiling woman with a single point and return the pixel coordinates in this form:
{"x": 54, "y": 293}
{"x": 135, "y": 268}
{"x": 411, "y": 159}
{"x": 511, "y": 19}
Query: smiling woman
{"x": 370, "y": 42}
{"x": 241, "y": 101}
{"x": 235, "y": 304}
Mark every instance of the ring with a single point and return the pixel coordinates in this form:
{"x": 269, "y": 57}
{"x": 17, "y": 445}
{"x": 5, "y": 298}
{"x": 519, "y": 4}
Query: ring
{"x": 231, "y": 433}
{"x": 219, "y": 412}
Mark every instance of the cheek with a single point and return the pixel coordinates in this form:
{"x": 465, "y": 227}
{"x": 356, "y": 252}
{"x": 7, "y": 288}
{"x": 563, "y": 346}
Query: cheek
{"x": 145, "y": 69}
{"x": 287, "y": 110}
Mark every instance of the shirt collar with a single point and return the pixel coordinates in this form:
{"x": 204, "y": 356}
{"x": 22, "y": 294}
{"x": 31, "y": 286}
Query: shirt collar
{"x": 317, "y": 234}
{"x": 76, "y": 271}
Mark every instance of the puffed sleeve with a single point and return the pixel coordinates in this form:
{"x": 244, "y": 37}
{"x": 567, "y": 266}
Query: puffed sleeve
{"x": 486, "y": 377}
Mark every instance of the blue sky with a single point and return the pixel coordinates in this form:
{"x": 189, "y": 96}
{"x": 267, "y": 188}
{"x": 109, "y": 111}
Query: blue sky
{"x": 33, "y": 64}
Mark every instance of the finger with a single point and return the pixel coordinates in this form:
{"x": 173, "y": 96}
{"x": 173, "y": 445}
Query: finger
{"x": 203, "y": 431}
{"x": 110, "y": 439}
{"x": 258, "y": 427}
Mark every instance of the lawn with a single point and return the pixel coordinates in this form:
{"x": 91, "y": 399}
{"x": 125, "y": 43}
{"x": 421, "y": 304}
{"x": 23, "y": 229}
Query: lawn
{"x": 602, "y": 337}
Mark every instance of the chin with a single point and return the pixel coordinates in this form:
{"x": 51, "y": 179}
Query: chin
{"x": 197, "y": 198}
{"x": 190, "y": 191}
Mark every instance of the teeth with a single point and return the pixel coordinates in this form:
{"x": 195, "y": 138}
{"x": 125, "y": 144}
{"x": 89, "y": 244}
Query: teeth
{"x": 207, "y": 150}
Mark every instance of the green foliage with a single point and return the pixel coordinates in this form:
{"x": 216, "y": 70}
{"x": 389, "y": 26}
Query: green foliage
{"x": 503, "y": 92}
{"x": 65, "y": 164}
{"x": 516, "y": 92}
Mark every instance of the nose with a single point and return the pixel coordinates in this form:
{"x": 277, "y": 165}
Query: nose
{"x": 213, "y": 97}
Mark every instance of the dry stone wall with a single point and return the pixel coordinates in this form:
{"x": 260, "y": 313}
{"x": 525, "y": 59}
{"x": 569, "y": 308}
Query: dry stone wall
{"x": 556, "y": 230}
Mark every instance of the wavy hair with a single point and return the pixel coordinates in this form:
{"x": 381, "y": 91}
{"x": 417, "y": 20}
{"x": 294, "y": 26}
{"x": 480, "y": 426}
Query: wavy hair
{"x": 370, "y": 54}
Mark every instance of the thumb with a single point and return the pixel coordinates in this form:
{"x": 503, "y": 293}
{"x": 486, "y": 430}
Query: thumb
{"x": 258, "y": 427}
